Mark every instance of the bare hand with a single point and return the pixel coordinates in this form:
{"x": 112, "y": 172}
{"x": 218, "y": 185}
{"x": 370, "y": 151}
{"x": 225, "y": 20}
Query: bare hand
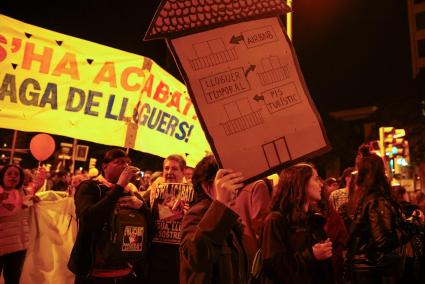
{"x": 39, "y": 179}
{"x": 227, "y": 183}
{"x": 186, "y": 208}
{"x": 420, "y": 215}
{"x": 130, "y": 201}
{"x": 180, "y": 206}
{"x": 126, "y": 176}
{"x": 322, "y": 250}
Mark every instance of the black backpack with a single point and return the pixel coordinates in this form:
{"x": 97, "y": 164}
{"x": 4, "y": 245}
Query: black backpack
{"x": 123, "y": 239}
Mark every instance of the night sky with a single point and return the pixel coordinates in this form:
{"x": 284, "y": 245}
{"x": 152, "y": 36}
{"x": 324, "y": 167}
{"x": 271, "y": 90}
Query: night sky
{"x": 352, "y": 52}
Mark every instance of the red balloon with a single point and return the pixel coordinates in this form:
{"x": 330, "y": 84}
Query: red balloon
{"x": 42, "y": 146}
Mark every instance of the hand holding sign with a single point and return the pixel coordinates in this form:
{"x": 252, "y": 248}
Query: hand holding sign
{"x": 227, "y": 183}
{"x": 42, "y": 146}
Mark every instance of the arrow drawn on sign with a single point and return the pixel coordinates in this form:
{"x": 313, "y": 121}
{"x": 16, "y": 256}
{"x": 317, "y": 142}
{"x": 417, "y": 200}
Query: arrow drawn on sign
{"x": 236, "y": 39}
{"x": 250, "y": 68}
{"x": 258, "y": 98}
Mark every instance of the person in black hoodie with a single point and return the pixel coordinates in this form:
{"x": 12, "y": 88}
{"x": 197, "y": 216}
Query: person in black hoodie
{"x": 294, "y": 244}
{"x": 95, "y": 202}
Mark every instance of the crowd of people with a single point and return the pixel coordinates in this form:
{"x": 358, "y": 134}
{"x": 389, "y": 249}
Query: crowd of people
{"x": 304, "y": 229}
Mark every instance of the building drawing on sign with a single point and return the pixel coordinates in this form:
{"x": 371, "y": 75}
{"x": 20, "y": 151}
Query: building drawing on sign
{"x": 274, "y": 71}
{"x": 241, "y": 117}
{"x": 276, "y": 152}
{"x": 211, "y": 53}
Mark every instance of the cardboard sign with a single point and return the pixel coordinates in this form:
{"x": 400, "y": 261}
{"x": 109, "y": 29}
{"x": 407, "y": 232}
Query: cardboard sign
{"x": 54, "y": 83}
{"x": 168, "y": 210}
{"x": 245, "y": 81}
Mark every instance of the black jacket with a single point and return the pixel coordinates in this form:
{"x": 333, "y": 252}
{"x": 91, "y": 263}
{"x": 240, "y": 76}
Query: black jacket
{"x": 94, "y": 204}
{"x": 287, "y": 251}
{"x": 211, "y": 248}
{"x": 377, "y": 236}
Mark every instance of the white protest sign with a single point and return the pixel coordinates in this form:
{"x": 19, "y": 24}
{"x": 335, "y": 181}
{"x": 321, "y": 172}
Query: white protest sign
{"x": 246, "y": 84}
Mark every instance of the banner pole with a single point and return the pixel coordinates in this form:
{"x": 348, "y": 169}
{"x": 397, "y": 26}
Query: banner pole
{"x": 12, "y": 149}
{"x": 74, "y": 152}
{"x": 289, "y": 20}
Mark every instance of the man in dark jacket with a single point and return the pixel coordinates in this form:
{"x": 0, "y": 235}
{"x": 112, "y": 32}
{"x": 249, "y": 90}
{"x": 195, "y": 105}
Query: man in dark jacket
{"x": 95, "y": 202}
{"x": 211, "y": 249}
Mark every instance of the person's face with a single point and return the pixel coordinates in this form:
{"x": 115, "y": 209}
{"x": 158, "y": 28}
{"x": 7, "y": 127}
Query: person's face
{"x": 114, "y": 168}
{"x": 348, "y": 181}
{"x": 172, "y": 171}
{"x": 188, "y": 172}
{"x": 147, "y": 177}
{"x": 314, "y": 187}
{"x": 333, "y": 187}
{"x": 11, "y": 178}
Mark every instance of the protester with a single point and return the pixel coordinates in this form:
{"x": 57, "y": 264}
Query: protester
{"x": 331, "y": 184}
{"x": 336, "y": 231}
{"x": 414, "y": 249}
{"x": 173, "y": 168}
{"x": 14, "y": 222}
{"x": 95, "y": 202}
{"x": 211, "y": 248}
{"x": 340, "y": 196}
{"x": 75, "y": 182}
{"x": 375, "y": 249}
{"x": 152, "y": 183}
{"x": 164, "y": 257}
{"x": 188, "y": 172}
{"x": 154, "y": 177}
{"x": 252, "y": 205}
{"x": 61, "y": 181}
{"x": 145, "y": 181}
{"x": 347, "y": 210}
{"x": 294, "y": 246}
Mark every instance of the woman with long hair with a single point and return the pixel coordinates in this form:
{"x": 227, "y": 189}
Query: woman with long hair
{"x": 211, "y": 248}
{"x": 294, "y": 245}
{"x": 378, "y": 233}
{"x": 14, "y": 223}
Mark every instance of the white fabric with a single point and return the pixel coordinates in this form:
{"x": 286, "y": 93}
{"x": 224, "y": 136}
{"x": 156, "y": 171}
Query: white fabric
{"x": 52, "y": 236}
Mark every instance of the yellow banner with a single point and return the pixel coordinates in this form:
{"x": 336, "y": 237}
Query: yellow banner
{"x": 54, "y": 83}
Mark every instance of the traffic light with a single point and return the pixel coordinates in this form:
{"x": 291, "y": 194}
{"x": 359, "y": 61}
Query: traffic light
{"x": 395, "y": 149}
{"x": 401, "y": 151}
{"x": 392, "y": 142}
{"x": 386, "y": 137}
